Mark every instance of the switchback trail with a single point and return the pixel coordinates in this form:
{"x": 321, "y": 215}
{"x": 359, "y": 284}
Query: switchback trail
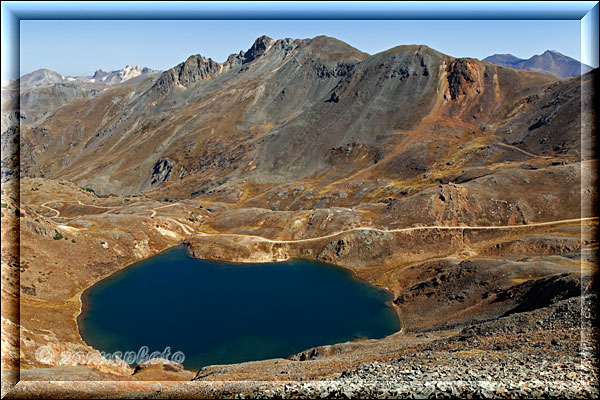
{"x": 51, "y": 209}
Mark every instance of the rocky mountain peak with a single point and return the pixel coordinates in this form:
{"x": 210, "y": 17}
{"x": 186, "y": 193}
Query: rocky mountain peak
{"x": 196, "y": 68}
{"x": 99, "y": 74}
{"x": 38, "y": 78}
{"x": 259, "y": 47}
{"x": 120, "y": 75}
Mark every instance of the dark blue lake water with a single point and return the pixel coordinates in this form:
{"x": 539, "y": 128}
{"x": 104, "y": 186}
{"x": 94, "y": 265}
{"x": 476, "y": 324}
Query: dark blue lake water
{"x": 222, "y": 313}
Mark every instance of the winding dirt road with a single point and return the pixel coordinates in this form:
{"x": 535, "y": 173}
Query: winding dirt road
{"x": 51, "y": 209}
{"x": 188, "y": 230}
{"x": 416, "y": 228}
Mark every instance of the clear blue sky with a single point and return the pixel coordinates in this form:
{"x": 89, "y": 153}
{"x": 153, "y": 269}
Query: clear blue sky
{"x": 81, "y": 47}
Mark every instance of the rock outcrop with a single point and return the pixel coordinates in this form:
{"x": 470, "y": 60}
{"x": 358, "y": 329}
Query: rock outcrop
{"x": 196, "y": 68}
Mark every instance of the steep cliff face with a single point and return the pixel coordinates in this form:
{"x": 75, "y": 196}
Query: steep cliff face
{"x": 459, "y": 76}
{"x": 478, "y": 93}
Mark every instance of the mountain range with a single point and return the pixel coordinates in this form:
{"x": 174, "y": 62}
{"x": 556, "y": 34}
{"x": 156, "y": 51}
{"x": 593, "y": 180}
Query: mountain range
{"x": 205, "y": 127}
{"x": 42, "y": 91}
{"x": 122, "y": 75}
{"x": 44, "y": 77}
{"x": 550, "y": 62}
{"x": 463, "y": 187}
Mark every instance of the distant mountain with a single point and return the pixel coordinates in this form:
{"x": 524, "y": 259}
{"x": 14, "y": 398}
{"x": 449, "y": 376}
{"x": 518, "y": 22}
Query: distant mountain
{"x": 121, "y": 75}
{"x": 43, "y": 91}
{"x": 550, "y": 62}
{"x": 99, "y": 80}
{"x": 505, "y": 60}
{"x": 37, "y": 79}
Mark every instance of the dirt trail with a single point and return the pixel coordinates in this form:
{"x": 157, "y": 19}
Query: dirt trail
{"x": 188, "y": 230}
{"x": 51, "y": 209}
{"x": 168, "y": 205}
{"x": 185, "y": 228}
{"x": 416, "y": 228}
{"x": 520, "y": 150}
{"x": 109, "y": 208}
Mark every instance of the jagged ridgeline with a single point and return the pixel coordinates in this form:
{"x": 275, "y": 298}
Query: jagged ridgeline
{"x": 314, "y": 110}
{"x": 461, "y": 186}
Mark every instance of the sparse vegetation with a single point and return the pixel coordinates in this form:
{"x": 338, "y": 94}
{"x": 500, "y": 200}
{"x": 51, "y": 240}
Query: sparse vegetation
{"x": 57, "y": 235}
{"x": 90, "y": 190}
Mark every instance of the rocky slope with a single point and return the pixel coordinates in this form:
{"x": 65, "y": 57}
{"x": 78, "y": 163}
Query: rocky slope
{"x": 465, "y": 188}
{"x": 39, "y": 103}
{"x": 235, "y": 124}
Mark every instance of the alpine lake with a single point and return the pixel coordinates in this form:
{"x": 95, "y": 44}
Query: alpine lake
{"x": 223, "y": 313}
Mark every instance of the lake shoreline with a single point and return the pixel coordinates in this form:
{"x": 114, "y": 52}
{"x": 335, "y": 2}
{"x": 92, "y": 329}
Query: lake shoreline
{"x": 84, "y": 299}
